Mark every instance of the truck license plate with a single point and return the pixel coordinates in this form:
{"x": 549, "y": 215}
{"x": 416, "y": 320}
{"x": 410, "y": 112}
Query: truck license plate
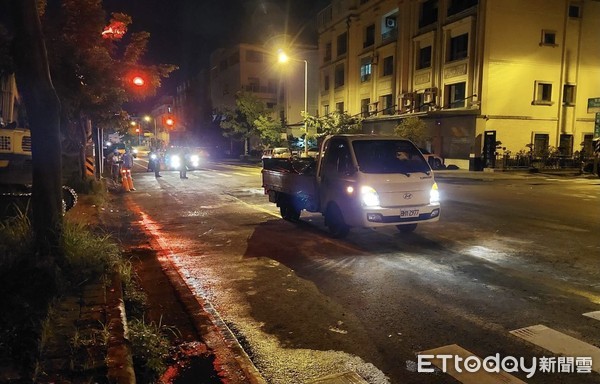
{"x": 409, "y": 213}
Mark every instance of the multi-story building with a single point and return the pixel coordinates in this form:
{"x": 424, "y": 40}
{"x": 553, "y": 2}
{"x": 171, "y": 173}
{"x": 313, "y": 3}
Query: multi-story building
{"x": 482, "y": 74}
{"x": 256, "y": 70}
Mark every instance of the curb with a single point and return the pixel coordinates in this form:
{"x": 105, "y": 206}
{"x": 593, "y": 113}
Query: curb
{"x": 231, "y": 361}
{"x": 119, "y": 359}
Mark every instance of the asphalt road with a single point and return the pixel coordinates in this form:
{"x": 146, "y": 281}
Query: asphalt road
{"x": 510, "y": 269}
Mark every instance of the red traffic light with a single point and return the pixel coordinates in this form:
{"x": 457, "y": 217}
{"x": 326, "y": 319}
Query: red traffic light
{"x": 138, "y": 80}
{"x": 170, "y": 122}
{"x": 137, "y": 130}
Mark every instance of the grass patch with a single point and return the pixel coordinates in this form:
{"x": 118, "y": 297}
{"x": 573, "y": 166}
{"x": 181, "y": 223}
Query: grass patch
{"x": 150, "y": 348}
{"x": 87, "y": 255}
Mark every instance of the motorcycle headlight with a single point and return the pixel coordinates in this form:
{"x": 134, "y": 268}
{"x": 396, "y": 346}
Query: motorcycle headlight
{"x": 153, "y": 156}
{"x": 369, "y": 196}
{"x": 434, "y": 194}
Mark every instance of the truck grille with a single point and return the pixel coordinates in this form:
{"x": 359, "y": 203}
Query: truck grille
{"x": 26, "y": 143}
{"x": 5, "y": 143}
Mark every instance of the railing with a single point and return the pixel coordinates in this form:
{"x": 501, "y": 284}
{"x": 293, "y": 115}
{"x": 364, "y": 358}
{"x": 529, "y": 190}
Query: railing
{"x": 547, "y": 162}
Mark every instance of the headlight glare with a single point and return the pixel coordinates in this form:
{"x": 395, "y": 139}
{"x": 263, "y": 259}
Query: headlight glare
{"x": 369, "y": 196}
{"x": 434, "y": 194}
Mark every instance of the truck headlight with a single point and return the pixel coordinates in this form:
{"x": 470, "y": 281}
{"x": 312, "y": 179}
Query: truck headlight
{"x": 175, "y": 161}
{"x": 434, "y": 194}
{"x": 369, "y": 196}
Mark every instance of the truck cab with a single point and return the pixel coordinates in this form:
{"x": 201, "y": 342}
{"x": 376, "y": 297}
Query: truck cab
{"x": 374, "y": 181}
{"x": 358, "y": 180}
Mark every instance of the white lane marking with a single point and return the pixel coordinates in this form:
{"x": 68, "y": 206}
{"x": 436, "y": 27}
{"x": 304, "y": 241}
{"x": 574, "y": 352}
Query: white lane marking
{"x": 244, "y": 174}
{"x": 594, "y": 315}
{"x": 202, "y": 174}
{"x": 559, "y": 343}
{"x": 480, "y": 377}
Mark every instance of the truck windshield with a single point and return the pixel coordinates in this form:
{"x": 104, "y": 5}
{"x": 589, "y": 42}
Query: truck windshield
{"x": 389, "y": 156}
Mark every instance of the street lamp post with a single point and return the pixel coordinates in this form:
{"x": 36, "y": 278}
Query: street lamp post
{"x": 147, "y": 119}
{"x": 282, "y": 59}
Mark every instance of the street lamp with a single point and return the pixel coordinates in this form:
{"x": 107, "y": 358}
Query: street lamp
{"x": 284, "y": 58}
{"x": 138, "y": 131}
{"x": 147, "y": 119}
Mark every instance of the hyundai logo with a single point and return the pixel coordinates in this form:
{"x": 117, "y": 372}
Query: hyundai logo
{"x": 407, "y": 196}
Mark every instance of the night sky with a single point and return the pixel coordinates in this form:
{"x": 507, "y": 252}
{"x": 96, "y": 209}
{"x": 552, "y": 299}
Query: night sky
{"x": 185, "y": 32}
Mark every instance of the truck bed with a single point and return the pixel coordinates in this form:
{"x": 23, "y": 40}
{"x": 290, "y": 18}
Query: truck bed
{"x": 293, "y": 177}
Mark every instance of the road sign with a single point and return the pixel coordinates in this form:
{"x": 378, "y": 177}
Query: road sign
{"x": 597, "y": 125}
{"x": 593, "y": 105}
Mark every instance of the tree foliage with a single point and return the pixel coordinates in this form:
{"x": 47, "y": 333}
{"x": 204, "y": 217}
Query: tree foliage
{"x": 240, "y": 123}
{"x": 270, "y": 131}
{"x": 334, "y": 123}
{"x": 413, "y": 129}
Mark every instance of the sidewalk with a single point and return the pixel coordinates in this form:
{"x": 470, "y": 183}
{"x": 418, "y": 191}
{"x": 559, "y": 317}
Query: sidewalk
{"x": 498, "y": 174}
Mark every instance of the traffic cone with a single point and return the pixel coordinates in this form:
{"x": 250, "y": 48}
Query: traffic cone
{"x": 124, "y": 180}
{"x": 130, "y": 181}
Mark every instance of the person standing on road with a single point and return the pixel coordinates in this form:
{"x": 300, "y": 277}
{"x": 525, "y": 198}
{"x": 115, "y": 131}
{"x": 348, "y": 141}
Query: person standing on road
{"x": 183, "y": 164}
{"x": 126, "y": 171}
{"x": 115, "y": 165}
{"x": 154, "y": 163}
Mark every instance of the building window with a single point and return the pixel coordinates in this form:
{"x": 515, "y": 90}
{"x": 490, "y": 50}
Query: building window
{"x": 234, "y": 58}
{"x": 339, "y": 107}
{"x": 369, "y": 36}
{"x": 338, "y": 81}
{"x": 327, "y": 57}
{"x": 457, "y": 6}
{"x": 420, "y": 104}
{"x": 428, "y": 13}
{"x": 326, "y": 83}
{"x": 424, "y": 60}
{"x": 543, "y": 93}
{"x": 548, "y": 38}
{"x": 387, "y": 106}
{"x": 574, "y": 11}
{"x": 254, "y": 56}
{"x": 223, "y": 65}
{"x": 388, "y": 66}
{"x": 565, "y": 147}
{"x": 342, "y": 44}
{"x": 569, "y": 94}
{"x": 364, "y": 107}
{"x": 455, "y": 95}
{"x": 540, "y": 144}
{"x": 326, "y": 110}
{"x": 587, "y": 146}
{"x": 253, "y": 84}
{"x": 365, "y": 69}
{"x": 459, "y": 47}
{"x": 272, "y": 85}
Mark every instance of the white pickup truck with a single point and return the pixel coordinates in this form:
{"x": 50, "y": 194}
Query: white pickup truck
{"x": 356, "y": 181}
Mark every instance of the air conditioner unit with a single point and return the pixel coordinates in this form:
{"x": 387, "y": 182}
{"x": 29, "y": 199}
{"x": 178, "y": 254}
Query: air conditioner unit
{"x": 407, "y": 99}
{"x": 429, "y": 95}
{"x": 390, "y": 22}
{"x": 428, "y": 98}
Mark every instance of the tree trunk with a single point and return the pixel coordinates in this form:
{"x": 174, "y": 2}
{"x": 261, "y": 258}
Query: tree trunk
{"x": 43, "y": 108}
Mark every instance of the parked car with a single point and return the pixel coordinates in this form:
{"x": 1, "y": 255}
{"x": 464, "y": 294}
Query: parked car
{"x": 277, "y": 153}
{"x": 435, "y": 161}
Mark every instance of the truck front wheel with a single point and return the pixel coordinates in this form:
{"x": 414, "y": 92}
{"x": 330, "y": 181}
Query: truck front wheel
{"x": 288, "y": 211}
{"x": 335, "y": 222}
